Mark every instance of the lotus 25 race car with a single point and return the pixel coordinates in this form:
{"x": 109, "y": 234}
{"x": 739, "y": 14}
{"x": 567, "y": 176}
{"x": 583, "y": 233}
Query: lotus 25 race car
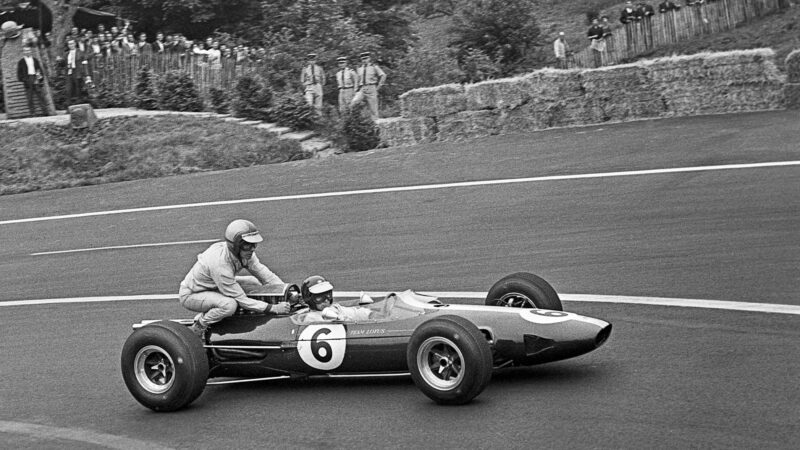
{"x": 450, "y": 350}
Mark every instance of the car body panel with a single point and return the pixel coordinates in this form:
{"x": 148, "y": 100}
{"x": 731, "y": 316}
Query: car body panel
{"x": 261, "y": 345}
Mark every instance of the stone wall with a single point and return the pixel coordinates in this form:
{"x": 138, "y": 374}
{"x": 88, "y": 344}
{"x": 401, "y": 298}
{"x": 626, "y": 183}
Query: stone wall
{"x": 706, "y": 83}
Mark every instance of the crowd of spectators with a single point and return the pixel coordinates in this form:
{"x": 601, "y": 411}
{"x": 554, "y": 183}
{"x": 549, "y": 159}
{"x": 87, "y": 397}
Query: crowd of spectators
{"x": 102, "y": 43}
{"x": 600, "y": 29}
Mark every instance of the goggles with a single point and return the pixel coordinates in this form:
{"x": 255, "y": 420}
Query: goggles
{"x": 248, "y": 247}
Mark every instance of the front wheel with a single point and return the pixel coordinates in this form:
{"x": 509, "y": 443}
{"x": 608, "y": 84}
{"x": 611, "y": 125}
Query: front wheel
{"x": 450, "y": 360}
{"x": 164, "y": 366}
{"x": 524, "y": 290}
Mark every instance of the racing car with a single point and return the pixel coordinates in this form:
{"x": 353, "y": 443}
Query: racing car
{"x": 450, "y": 350}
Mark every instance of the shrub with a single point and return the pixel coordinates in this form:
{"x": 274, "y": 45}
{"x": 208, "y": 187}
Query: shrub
{"x": 178, "y": 92}
{"x": 220, "y": 102}
{"x": 252, "y": 98}
{"x": 291, "y": 110}
{"x": 145, "y": 89}
{"x": 359, "y": 132}
{"x": 105, "y": 96}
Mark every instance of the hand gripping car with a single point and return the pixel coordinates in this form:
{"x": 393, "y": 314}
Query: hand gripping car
{"x": 450, "y": 350}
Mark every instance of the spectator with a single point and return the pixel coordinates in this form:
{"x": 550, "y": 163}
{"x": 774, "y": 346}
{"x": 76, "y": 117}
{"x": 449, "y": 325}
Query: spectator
{"x": 370, "y": 79}
{"x": 628, "y": 14}
{"x": 346, "y": 82}
{"x": 667, "y": 6}
{"x": 159, "y": 46}
{"x": 101, "y": 28}
{"x": 29, "y": 73}
{"x": 142, "y": 46}
{"x": 598, "y": 44}
{"x": 560, "y": 48}
{"x": 644, "y": 10}
{"x": 312, "y": 77}
{"x": 76, "y": 72}
{"x": 607, "y": 33}
{"x": 214, "y": 56}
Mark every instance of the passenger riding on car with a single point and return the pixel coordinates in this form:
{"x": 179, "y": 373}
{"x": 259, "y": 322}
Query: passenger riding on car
{"x": 212, "y": 288}
{"x": 317, "y": 293}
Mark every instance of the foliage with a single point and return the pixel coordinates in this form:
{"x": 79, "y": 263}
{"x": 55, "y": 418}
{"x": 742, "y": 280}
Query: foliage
{"x": 49, "y": 156}
{"x": 291, "y": 110}
{"x": 177, "y": 92}
{"x": 145, "y": 94}
{"x": 220, "y": 102}
{"x": 252, "y": 98}
{"x": 194, "y": 18}
{"x": 505, "y": 30}
{"x": 104, "y": 95}
{"x": 358, "y": 132}
{"x": 425, "y": 65}
{"x": 478, "y": 66}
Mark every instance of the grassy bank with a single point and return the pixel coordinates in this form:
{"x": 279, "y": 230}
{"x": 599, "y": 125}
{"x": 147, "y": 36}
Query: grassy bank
{"x": 48, "y": 156}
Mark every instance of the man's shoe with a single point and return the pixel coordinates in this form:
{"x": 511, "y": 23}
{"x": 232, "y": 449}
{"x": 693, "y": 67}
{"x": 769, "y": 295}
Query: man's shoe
{"x": 198, "y": 327}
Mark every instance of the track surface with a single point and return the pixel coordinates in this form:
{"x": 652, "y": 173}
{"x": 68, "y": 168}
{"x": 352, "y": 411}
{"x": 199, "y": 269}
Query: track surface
{"x": 668, "y": 377}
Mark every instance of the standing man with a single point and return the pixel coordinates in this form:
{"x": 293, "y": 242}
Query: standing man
{"x": 560, "y": 48}
{"x": 313, "y": 78}
{"x": 29, "y": 73}
{"x": 346, "y": 82}
{"x": 370, "y": 79}
{"x": 76, "y": 71}
{"x": 598, "y": 44}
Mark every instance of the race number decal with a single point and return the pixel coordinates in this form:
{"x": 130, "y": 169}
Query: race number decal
{"x": 545, "y": 316}
{"x": 322, "y": 346}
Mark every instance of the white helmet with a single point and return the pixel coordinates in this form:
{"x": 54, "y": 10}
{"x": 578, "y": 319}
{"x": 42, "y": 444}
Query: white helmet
{"x": 240, "y": 231}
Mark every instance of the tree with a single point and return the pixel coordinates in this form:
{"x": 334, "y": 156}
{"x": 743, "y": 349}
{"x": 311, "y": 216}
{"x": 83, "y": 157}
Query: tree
{"x": 62, "y": 12}
{"x": 505, "y": 30}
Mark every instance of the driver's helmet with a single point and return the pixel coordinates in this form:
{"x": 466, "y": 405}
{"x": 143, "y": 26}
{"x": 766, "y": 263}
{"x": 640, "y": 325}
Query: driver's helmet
{"x": 240, "y": 231}
{"x": 317, "y": 292}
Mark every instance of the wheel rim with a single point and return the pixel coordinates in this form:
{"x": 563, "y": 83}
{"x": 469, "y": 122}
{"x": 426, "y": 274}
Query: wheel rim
{"x": 154, "y": 368}
{"x": 516, "y": 300}
{"x": 440, "y": 363}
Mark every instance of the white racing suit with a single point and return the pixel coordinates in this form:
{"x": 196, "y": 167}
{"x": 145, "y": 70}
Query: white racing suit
{"x": 211, "y": 287}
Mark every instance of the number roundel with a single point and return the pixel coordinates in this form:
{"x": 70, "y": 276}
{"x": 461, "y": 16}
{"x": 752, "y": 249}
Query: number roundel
{"x": 322, "y": 346}
{"x": 543, "y": 316}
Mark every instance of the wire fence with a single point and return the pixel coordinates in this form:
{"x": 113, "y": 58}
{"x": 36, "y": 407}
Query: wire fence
{"x": 642, "y": 36}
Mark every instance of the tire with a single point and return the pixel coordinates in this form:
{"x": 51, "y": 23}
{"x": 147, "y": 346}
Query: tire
{"x": 164, "y": 366}
{"x": 524, "y": 290}
{"x": 469, "y": 360}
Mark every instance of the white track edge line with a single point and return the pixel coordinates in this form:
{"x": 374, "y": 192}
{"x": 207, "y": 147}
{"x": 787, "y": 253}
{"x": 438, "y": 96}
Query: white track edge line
{"x": 411, "y": 188}
{"x": 774, "y": 308}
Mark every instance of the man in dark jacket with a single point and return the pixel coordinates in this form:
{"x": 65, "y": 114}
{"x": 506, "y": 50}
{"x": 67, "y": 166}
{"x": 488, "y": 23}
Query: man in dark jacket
{"x": 29, "y": 73}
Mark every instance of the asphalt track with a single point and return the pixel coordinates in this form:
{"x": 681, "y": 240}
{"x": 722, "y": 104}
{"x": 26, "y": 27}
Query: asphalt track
{"x": 669, "y": 377}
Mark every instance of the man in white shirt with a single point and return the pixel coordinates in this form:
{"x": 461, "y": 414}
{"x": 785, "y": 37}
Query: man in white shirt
{"x": 76, "y": 71}
{"x": 312, "y": 78}
{"x": 212, "y": 288}
{"x": 560, "y": 48}
{"x": 346, "y": 82}
{"x": 370, "y": 79}
{"x": 29, "y": 73}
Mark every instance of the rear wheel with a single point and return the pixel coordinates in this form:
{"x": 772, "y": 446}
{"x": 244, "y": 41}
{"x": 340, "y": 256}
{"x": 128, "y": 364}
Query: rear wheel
{"x": 524, "y": 290}
{"x": 450, "y": 360}
{"x": 164, "y": 366}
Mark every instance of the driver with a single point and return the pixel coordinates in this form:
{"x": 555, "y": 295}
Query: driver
{"x": 212, "y": 288}
{"x": 317, "y": 293}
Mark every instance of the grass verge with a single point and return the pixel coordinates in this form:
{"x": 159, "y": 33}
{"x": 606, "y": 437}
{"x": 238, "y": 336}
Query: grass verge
{"x": 48, "y": 156}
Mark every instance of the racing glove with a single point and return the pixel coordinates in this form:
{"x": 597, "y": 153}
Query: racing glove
{"x": 277, "y": 308}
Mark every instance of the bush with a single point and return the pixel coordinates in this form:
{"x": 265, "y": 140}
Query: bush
{"x": 105, "y": 96}
{"x": 178, "y": 92}
{"x": 145, "y": 89}
{"x": 220, "y": 102}
{"x": 291, "y": 110}
{"x": 252, "y": 98}
{"x": 358, "y": 132}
